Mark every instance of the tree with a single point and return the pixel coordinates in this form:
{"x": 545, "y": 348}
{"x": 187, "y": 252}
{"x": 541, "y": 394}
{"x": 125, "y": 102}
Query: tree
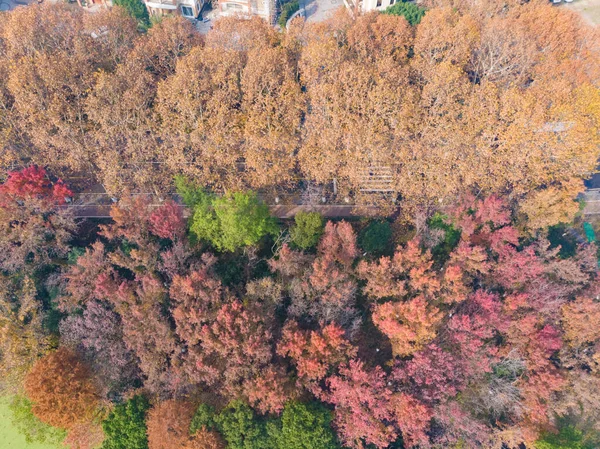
{"x": 362, "y": 402}
{"x": 167, "y": 221}
{"x": 97, "y": 335}
{"x": 137, "y": 10}
{"x": 241, "y": 428}
{"x": 35, "y": 231}
{"x": 23, "y": 339}
{"x": 411, "y": 12}
{"x": 168, "y": 424}
{"x": 61, "y": 389}
{"x": 315, "y": 353}
{"x": 304, "y": 426}
{"x": 567, "y": 438}
{"x": 409, "y": 325}
{"x": 307, "y": 229}
{"x": 375, "y": 238}
{"x": 204, "y": 439}
{"x": 125, "y": 426}
{"x": 241, "y": 219}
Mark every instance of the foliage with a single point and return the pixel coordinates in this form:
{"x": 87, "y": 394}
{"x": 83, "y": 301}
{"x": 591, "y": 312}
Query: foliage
{"x": 451, "y": 236}
{"x": 137, "y": 10}
{"x": 168, "y": 424}
{"x": 61, "y": 390}
{"x": 204, "y": 417}
{"x": 34, "y": 231}
{"x": 23, "y": 339}
{"x": 125, "y": 426}
{"x": 304, "y": 426}
{"x": 287, "y": 10}
{"x": 232, "y": 221}
{"x": 34, "y": 430}
{"x": 567, "y": 438}
{"x": 241, "y": 428}
{"x": 307, "y": 230}
{"x": 376, "y": 236}
{"x": 480, "y": 347}
{"x": 411, "y": 12}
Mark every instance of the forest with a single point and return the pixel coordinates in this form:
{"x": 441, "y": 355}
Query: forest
{"x": 212, "y": 325}
{"x": 192, "y": 318}
{"x": 493, "y": 97}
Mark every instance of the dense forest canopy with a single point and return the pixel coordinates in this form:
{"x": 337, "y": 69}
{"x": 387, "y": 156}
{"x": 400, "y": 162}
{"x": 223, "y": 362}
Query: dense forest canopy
{"x": 210, "y": 324}
{"x": 144, "y": 333}
{"x": 496, "y": 97}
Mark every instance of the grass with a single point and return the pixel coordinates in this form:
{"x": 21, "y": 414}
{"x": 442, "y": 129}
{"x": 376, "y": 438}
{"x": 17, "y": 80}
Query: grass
{"x": 10, "y": 438}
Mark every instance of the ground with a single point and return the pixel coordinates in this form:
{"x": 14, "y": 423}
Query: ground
{"x": 9, "y": 437}
{"x": 589, "y": 9}
{"x": 319, "y": 10}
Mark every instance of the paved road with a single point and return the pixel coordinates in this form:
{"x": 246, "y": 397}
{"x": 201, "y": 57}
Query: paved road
{"x": 279, "y": 211}
{"x": 320, "y": 10}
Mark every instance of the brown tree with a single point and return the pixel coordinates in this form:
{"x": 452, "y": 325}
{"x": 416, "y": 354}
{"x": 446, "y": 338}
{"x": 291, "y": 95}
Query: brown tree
{"x": 169, "y": 425}
{"x": 61, "y": 389}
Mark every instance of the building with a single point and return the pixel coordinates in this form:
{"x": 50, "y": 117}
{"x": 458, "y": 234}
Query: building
{"x": 261, "y": 8}
{"x": 187, "y": 8}
{"x": 380, "y": 5}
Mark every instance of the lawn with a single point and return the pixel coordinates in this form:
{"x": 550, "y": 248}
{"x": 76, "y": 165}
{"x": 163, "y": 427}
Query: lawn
{"x": 9, "y": 437}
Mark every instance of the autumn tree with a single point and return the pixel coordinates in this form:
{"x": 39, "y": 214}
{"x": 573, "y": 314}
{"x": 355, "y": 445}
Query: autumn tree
{"x": 23, "y": 338}
{"x": 168, "y": 424}
{"x": 97, "y": 335}
{"x": 35, "y": 230}
{"x": 61, "y": 389}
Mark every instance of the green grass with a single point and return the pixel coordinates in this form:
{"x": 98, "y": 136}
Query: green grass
{"x": 10, "y": 438}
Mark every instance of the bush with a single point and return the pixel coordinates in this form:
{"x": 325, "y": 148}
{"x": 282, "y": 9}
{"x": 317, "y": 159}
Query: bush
{"x": 411, "y": 12}
{"x": 375, "y": 238}
{"x": 125, "y": 426}
{"x": 287, "y": 11}
{"x": 304, "y": 426}
{"x": 307, "y": 230}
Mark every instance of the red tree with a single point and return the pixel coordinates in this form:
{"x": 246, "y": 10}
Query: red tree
{"x": 363, "y": 407}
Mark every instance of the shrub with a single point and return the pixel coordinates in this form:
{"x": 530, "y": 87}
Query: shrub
{"x": 375, "y": 238}
{"x": 411, "y": 12}
{"x": 307, "y": 230}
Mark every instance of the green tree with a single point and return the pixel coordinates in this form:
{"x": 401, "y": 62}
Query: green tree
{"x": 34, "y": 430}
{"x": 375, "y": 238}
{"x": 304, "y": 426}
{"x": 241, "y": 428}
{"x": 568, "y": 438}
{"x": 232, "y": 221}
{"x": 307, "y": 230}
{"x": 125, "y": 426}
{"x": 137, "y": 10}
{"x": 411, "y": 12}
{"x": 204, "y": 417}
